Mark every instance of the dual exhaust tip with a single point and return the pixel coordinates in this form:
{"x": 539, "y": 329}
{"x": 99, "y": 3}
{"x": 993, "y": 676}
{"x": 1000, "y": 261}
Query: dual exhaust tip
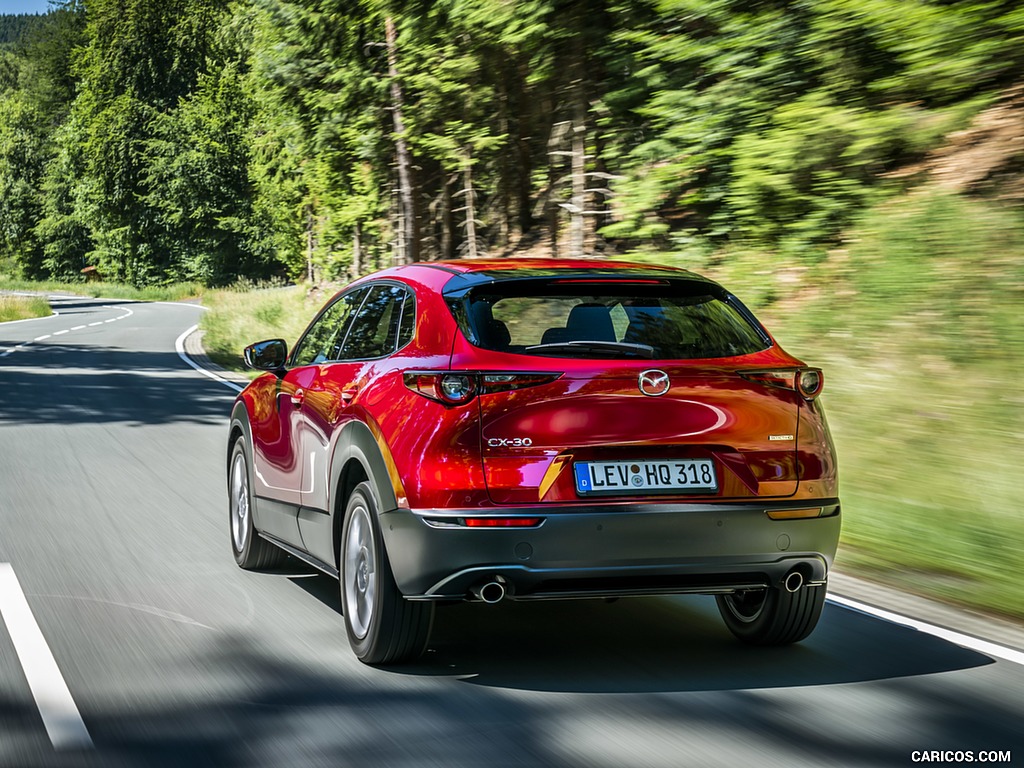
{"x": 493, "y": 591}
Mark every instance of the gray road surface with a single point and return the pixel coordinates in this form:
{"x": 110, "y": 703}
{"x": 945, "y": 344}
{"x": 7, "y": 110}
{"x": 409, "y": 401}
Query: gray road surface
{"x": 113, "y": 517}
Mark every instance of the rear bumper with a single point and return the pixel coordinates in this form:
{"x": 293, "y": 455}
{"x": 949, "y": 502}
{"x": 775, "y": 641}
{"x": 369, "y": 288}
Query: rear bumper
{"x": 606, "y": 550}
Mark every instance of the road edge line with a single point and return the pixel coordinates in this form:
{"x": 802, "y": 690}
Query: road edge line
{"x": 56, "y": 706}
{"x": 986, "y": 647}
{"x": 179, "y": 346}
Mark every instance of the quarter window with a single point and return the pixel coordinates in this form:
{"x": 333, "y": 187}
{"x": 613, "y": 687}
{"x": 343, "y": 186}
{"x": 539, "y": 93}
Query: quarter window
{"x": 375, "y": 331}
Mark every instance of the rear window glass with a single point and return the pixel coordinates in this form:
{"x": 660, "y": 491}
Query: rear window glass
{"x": 677, "y": 320}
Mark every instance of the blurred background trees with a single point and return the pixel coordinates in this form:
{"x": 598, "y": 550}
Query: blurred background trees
{"x": 206, "y": 140}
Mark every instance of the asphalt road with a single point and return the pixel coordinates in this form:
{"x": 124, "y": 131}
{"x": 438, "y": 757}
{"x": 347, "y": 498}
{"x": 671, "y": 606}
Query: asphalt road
{"x": 113, "y": 518}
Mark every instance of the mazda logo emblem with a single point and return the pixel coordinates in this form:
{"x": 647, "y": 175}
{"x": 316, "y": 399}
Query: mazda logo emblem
{"x": 654, "y": 382}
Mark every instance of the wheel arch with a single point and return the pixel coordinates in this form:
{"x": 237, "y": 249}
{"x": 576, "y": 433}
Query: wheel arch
{"x": 239, "y": 427}
{"x": 358, "y": 457}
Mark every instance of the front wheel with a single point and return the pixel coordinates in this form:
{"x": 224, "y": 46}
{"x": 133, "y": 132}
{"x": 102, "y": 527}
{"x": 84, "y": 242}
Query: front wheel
{"x": 249, "y": 549}
{"x": 383, "y": 627}
{"x": 772, "y": 616}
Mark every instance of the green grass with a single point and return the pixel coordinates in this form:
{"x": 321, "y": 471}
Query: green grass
{"x": 23, "y": 308}
{"x": 172, "y": 292}
{"x": 917, "y": 323}
{"x": 241, "y": 317}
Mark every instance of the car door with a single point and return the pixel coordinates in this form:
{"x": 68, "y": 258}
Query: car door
{"x": 332, "y": 398}
{"x": 281, "y": 462}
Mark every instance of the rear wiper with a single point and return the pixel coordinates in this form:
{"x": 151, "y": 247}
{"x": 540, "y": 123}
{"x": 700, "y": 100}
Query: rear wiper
{"x": 612, "y": 348}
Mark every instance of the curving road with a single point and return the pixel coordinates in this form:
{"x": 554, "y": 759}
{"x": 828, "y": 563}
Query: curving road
{"x": 129, "y": 637}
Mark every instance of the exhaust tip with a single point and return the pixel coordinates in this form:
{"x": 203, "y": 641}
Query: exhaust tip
{"x": 793, "y": 581}
{"x": 490, "y": 592}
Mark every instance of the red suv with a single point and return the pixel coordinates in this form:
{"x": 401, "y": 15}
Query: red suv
{"x": 531, "y": 430}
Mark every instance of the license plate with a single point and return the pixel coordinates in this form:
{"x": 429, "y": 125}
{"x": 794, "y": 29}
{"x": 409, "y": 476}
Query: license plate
{"x": 632, "y": 477}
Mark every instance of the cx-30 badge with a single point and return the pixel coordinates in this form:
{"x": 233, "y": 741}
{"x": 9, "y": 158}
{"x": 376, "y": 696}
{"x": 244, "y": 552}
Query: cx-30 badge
{"x": 654, "y": 382}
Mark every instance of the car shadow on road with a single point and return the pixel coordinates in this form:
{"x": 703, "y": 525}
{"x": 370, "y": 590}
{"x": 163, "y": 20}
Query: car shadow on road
{"x": 668, "y": 645}
{"x": 657, "y": 644}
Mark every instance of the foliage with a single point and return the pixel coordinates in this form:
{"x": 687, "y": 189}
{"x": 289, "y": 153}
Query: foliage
{"x": 208, "y": 139}
{"x": 244, "y": 314}
{"x": 14, "y": 26}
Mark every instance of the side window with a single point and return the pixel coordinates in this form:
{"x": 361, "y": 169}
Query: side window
{"x": 323, "y": 339}
{"x": 374, "y": 331}
{"x": 407, "y": 325}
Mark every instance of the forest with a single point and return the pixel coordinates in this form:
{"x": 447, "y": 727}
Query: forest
{"x": 212, "y": 140}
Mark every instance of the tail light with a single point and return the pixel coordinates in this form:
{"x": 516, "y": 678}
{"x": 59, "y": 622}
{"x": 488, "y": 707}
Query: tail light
{"x": 807, "y": 381}
{"x": 460, "y": 387}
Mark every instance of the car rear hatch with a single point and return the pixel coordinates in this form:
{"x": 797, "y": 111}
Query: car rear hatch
{"x": 625, "y": 388}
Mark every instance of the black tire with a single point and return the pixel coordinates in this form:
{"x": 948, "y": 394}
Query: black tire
{"x": 383, "y": 627}
{"x": 772, "y": 616}
{"x": 251, "y": 552}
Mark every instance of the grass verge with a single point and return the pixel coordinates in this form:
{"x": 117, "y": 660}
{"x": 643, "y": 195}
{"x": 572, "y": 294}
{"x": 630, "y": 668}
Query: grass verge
{"x": 23, "y": 308}
{"x": 96, "y": 290}
{"x": 241, "y": 317}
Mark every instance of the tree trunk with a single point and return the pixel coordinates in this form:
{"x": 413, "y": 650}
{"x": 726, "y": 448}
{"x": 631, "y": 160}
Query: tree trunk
{"x": 467, "y": 189}
{"x": 410, "y": 240}
{"x": 357, "y": 250}
{"x": 578, "y": 202}
{"x": 447, "y": 238}
{"x": 309, "y": 242}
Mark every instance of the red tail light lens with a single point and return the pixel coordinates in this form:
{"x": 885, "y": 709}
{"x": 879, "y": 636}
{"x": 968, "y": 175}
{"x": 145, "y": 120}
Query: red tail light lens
{"x": 810, "y": 382}
{"x": 446, "y": 387}
{"x": 506, "y": 382}
{"x": 460, "y": 387}
{"x": 807, "y": 381}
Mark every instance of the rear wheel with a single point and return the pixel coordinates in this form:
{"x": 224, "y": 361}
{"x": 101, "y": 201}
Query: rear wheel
{"x": 382, "y": 625}
{"x": 251, "y": 552}
{"x": 772, "y": 616}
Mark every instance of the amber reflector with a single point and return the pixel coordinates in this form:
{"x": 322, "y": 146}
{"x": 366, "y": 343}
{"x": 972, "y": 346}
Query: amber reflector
{"x": 794, "y": 514}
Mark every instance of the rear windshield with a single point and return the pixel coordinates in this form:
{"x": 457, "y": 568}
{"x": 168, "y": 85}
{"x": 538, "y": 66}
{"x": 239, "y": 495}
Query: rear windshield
{"x": 674, "y": 320}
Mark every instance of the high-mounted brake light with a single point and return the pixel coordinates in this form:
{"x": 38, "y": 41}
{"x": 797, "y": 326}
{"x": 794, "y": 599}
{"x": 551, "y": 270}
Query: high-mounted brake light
{"x": 460, "y": 387}
{"x": 807, "y": 381}
{"x": 608, "y": 281}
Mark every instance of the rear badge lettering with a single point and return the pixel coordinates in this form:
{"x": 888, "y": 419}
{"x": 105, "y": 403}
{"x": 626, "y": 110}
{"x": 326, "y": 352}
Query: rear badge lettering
{"x": 780, "y": 438}
{"x": 509, "y": 442}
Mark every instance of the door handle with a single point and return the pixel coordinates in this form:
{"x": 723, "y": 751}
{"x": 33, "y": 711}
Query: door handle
{"x": 298, "y": 397}
{"x": 349, "y": 393}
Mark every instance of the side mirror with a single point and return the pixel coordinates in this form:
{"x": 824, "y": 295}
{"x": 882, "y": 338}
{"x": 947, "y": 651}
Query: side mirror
{"x": 266, "y": 355}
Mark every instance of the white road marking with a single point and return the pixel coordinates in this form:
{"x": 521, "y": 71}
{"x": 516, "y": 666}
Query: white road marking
{"x": 952, "y": 636}
{"x": 179, "y": 345}
{"x": 8, "y": 351}
{"x": 63, "y": 722}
